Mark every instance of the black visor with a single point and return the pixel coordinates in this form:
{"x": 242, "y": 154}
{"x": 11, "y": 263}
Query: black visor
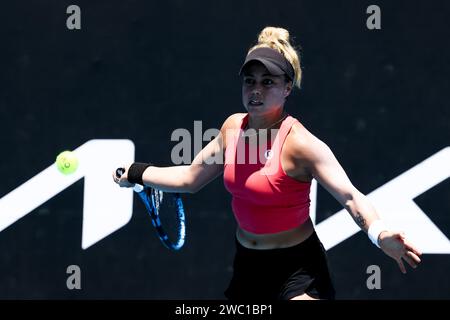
{"x": 274, "y": 61}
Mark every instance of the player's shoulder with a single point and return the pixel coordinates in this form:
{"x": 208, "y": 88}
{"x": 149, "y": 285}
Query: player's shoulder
{"x": 301, "y": 142}
{"x": 233, "y": 121}
{"x": 230, "y": 125}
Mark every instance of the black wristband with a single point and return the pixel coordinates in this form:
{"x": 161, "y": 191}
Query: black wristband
{"x": 135, "y": 172}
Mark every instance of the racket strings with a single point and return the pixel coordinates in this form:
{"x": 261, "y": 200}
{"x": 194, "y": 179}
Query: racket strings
{"x": 153, "y": 200}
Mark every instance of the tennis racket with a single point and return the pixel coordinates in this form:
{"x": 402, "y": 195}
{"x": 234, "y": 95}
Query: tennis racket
{"x": 153, "y": 201}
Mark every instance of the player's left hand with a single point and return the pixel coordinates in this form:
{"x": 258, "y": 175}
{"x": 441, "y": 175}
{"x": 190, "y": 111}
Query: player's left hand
{"x": 395, "y": 245}
{"x": 123, "y": 181}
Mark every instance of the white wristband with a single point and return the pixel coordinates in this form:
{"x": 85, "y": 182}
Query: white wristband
{"x": 374, "y": 231}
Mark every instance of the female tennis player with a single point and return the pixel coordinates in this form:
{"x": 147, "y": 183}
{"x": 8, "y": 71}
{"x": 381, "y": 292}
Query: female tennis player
{"x": 278, "y": 253}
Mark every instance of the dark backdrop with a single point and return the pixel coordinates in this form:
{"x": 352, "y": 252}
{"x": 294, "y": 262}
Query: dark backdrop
{"x": 140, "y": 69}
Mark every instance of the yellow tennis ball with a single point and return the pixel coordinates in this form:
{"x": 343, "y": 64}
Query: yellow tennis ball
{"x": 67, "y": 162}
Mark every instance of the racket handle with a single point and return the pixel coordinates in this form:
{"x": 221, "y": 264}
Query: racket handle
{"x": 137, "y": 187}
{"x": 120, "y": 172}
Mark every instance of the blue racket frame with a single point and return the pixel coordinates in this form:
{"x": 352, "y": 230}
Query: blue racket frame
{"x": 152, "y": 199}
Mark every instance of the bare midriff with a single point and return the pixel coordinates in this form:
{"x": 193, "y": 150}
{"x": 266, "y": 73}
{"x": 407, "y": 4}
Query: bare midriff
{"x": 284, "y": 239}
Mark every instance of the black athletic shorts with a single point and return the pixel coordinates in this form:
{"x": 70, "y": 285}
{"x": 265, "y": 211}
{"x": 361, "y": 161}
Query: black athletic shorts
{"x": 281, "y": 274}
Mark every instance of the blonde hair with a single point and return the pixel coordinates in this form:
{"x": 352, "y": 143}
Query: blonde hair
{"x": 278, "y": 39}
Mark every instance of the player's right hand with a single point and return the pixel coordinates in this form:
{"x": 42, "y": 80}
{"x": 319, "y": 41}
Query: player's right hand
{"x": 122, "y": 180}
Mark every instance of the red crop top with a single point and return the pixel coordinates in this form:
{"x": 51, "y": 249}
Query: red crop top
{"x": 264, "y": 198}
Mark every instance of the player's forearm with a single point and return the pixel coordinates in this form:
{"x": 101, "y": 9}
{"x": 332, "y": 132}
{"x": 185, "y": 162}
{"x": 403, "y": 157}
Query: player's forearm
{"x": 168, "y": 179}
{"x": 361, "y": 210}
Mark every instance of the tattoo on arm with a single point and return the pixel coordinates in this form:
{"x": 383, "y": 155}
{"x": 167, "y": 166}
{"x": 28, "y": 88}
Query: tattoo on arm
{"x": 360, "y": 221}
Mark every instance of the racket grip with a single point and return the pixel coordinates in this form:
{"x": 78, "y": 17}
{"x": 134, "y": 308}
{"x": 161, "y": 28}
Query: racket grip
{"x": 120, "y": 172}
{"x": 137, "y": 187}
